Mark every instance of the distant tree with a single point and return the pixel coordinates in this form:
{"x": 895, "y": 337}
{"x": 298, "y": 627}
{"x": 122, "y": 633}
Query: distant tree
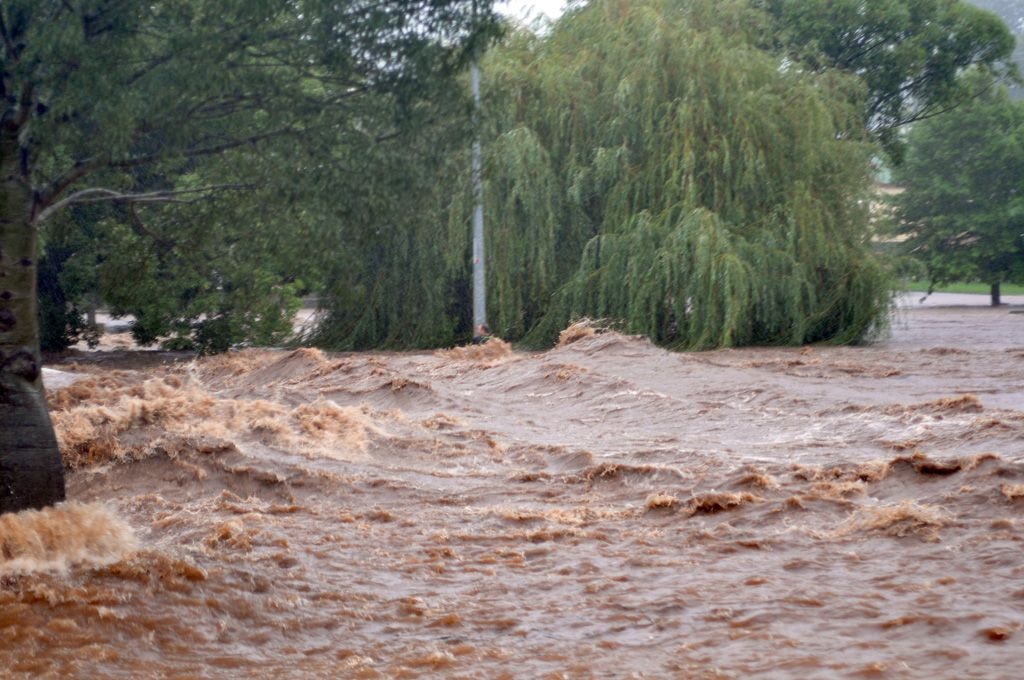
{"x": 141, "y": 106}
{"x": 908, "y": 53}
{"x": 963, "y": 209}
{"x": 1012, "y": 12}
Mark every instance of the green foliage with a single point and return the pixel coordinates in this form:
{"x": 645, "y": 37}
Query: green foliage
{"x": 647, "y": 162}
{"x": 963, "y": 208}
{"x": 1011, "y": 12}
{"x": 194, "y": 285}
{"x": 387, "y": 274}
{"x": 714, "y": 195}
{"x": 907, "y": 52}
{"x": 62, "y": 301}
{"x": 68, "y": 285}
{"x": 215, "y": 141}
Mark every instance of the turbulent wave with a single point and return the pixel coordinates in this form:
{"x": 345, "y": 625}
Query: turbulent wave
{"x": 603, "y": 505}
{"x": 54, "y": 539}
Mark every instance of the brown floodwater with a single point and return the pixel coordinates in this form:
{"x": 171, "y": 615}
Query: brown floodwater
{"x": 605, "y": 509}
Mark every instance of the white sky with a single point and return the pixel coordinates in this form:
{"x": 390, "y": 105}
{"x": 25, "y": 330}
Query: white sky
{"x": 526, "y": 10}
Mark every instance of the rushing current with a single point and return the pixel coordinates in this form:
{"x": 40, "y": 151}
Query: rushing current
{"x": 605, "y": 509}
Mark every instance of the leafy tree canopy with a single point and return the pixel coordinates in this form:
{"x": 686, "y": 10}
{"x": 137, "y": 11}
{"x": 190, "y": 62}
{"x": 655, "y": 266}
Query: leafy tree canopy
{"x": 1012, "y": 12}
{"x": 112, "y": 112}
{"x": 648, "y": 162}
{"x": 143, "y": 113}
{"x": 963, "y": 208}
{"x": 907, "y": 52}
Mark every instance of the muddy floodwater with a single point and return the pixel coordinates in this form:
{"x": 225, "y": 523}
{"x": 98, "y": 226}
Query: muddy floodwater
{"x": 605, "y": 509}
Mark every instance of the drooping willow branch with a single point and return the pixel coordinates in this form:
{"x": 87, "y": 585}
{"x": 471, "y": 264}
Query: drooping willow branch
{"x": 648, "y": 163}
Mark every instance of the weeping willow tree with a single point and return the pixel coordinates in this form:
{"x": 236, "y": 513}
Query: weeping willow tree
{"x": 647, "y": 162}
{"x": 707, "y": 196}
{"x": 389, "y": 280}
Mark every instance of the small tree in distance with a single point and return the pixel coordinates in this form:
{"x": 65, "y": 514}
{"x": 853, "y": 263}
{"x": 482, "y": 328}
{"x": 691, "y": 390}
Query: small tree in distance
{"x": 963, "y": 209}
{"x": 908, "y": 53}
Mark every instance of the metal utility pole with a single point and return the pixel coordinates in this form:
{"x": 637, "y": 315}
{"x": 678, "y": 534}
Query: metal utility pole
{"x": 479, "y": 284}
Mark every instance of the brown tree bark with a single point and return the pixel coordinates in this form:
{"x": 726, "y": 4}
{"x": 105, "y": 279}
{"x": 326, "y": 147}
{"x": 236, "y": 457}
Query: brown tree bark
{"x": 994, "y": 291}
{"x": 31, "y": 470}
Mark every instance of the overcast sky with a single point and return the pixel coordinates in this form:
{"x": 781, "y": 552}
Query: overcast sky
{"x": 529, "y": 9}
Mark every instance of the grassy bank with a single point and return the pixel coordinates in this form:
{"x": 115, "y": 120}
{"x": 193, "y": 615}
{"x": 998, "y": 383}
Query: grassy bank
{"x": 979, "y": 288}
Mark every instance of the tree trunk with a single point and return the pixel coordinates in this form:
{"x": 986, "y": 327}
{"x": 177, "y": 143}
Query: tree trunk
{"x": 994, "y": 288}
{"x": 31, "y": 470}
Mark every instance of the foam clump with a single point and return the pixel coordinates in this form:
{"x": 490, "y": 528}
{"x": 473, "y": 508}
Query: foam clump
{"x": 661, "y": 501}
{"x": 898, "y": 520}
{"x": 964, "y": 403}
{"x": 90, "y": 416}
{"x": 714, "y": 502}
{"x": 1012, "y": 491}
{"x": 60, "y": 537}
{"x": 494, "y": 351}
{"x": 324, "y": 419}
{"x": 582, "y": 328}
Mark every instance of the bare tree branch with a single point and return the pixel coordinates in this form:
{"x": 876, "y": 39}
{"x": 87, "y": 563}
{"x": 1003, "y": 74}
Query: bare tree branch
{"x": 99, "y": 194}
{"x": 47, "y": 196}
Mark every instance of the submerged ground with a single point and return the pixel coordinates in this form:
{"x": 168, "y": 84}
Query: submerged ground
{"x": 605, "y": 509}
